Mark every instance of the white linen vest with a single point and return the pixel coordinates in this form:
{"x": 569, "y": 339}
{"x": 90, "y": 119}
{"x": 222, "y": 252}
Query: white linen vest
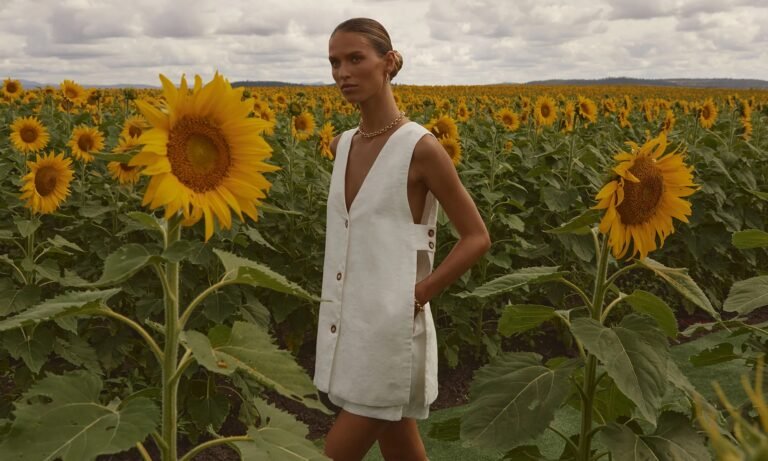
{"x": 374, "y": 256}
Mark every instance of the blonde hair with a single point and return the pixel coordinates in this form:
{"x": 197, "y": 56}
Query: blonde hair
{"x": 376, "y": 35}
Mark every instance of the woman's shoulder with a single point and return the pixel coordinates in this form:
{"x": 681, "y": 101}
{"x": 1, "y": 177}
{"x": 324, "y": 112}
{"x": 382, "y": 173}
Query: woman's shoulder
{"x": 336, "y": 139}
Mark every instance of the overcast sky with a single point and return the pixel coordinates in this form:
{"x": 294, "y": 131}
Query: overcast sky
{"x": 442, "y": 41}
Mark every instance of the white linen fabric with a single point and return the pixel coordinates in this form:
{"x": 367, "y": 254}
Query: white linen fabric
{"x": 372, "y": 357}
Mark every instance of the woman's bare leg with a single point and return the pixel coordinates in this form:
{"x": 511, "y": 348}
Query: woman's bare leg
{"x": 400, "y": 441}
{"x": 352, "y": 436}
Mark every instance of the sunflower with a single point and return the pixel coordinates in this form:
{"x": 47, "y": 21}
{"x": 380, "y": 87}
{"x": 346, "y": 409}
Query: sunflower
{"x": 624, "y": 118}
{"x": 123, "y": 172}
{"x": 134, "y": 126}
{"x": 586, "y": 109}
{"x": 28, "y": 134}
{"x": 280, "y": 100}
{"x": 569, "y": 117}
{"x": 669, "y": 121}
{"x": 462, "y": 112}
{"x": 453, "y": 148}
{"x": 525, "y": 108}
{"x": 708, "y": 113}
{"x": 609, "y": 106}
{"x": 443, "y": 127}
{"x": 642, "y": 200}
{"x": 47, "y": 183}
{"x": 326, "y": 136}
{"x": 205, "y": 155}
{"x": 510, "y": 119}
{"x": 302, "y": 126}
{"x": 545, "y": 111}
{"x": 73, "y": 92}
{"x": 268, "y": 116}
{"x": 12, "y": 89}
{"x": 85, "y": 141}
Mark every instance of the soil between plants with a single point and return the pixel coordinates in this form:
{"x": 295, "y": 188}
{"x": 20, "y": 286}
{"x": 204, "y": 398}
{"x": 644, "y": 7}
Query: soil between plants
{"x": 453, "y": 389}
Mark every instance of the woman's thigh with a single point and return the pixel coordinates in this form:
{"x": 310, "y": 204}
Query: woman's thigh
{"x": 400, "y": 441}
{"x": 352, "y": 436}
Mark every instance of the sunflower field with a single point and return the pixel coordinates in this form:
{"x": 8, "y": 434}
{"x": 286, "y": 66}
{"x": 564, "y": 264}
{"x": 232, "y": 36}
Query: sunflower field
{"x": 162, "y": 255}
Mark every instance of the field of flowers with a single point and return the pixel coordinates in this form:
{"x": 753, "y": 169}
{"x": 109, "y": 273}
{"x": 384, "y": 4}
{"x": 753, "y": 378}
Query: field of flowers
{"x": 161, "y": 257}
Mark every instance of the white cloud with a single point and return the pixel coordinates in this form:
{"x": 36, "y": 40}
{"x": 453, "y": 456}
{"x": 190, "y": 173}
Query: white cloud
{"x": 443, "y": 42}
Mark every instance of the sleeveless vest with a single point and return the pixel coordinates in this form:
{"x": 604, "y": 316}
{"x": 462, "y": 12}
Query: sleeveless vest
{"x": 374, "y": 256}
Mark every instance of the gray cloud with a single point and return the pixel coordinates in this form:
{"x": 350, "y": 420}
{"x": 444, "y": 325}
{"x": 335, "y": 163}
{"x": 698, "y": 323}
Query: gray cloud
{"x": 443, "y": 42}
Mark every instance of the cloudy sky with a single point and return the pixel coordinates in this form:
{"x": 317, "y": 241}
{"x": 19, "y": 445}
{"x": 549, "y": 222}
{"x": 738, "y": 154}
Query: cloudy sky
{"x": 442, "y": 41}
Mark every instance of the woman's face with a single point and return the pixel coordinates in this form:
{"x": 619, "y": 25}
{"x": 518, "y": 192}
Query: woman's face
{"x": 356, "y": 68}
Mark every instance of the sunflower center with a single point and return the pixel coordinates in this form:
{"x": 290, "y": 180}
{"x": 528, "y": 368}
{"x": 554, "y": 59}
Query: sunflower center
{"x": 300, "y": 123}
{"x": 28, "y": 134}
{"x": 508, "y": 119}
{"x": 45, "y": 180}
{"x": 71, "y": 93}
{"x": 134, "y": 131}
{"x": 85, "y": 143}
{"x": 705, "y": 112}
{"x": 641, "y": 199}
{"x": 545, "y": 111}
{"x": 199, "y": 153}
{"x": 127, "y": 168}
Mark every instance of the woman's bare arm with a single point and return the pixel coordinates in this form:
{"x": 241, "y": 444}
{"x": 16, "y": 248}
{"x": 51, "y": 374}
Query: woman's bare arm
{"x": 436, "y": 170}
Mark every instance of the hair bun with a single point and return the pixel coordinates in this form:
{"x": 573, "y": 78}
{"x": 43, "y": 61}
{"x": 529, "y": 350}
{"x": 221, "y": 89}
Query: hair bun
{"x": 398, "y": 64}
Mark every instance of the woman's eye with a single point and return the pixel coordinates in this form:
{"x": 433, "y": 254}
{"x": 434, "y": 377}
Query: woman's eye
{"x": 356, "y": 59}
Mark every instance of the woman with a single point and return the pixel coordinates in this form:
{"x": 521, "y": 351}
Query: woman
{"x": 375, "y": 359}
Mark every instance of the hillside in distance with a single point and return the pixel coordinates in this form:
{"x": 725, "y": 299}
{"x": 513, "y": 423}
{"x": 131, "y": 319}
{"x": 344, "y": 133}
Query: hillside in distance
{"x": 734, "y": 83}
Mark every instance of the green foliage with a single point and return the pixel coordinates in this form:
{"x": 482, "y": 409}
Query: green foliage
{"x": 71, "y": 423}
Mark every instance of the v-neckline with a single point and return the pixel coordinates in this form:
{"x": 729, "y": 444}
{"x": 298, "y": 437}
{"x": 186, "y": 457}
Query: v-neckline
{"x": 367, "y": 174}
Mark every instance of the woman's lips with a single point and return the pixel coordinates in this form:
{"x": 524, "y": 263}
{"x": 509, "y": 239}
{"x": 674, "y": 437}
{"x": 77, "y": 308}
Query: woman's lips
{"x": 348, "y": 87}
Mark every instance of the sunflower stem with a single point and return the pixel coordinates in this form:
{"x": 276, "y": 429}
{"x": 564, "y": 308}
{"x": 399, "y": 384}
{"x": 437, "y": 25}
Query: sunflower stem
{"x": 212, "y": 443}
{"x": 590, "y": 382}
{"x": 170, "y": 386}
{"x": 570, "y": 155}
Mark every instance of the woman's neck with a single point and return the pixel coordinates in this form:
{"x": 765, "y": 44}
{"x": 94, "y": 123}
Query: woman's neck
{"x": 379, "y": 110}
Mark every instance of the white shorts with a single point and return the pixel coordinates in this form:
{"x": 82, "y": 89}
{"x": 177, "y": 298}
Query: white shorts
{"x": 416, "y": 407}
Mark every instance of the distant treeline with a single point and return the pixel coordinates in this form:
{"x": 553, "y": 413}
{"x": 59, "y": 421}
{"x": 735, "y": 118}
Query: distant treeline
{"x": 739, "y": 83}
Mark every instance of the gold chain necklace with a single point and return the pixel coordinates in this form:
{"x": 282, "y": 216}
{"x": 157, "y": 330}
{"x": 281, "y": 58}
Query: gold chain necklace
{"x": 383, "y": 130}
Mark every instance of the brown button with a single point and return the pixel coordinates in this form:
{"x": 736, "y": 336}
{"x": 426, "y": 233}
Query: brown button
{"x": 431, "y": 233}
{"x": 338, "y": 276}
{"x": 333, "y": 328}
{"x": 431, "y": 245}
{"x": 346, "y": 223}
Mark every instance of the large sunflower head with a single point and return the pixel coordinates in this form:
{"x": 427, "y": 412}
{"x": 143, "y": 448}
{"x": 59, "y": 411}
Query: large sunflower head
{"x": 47, "y": 183}
{"x": 707, "y": 113}
{"x": 509, "y": 119}
{"x": 646, "y": 194}
{"x": 545, "y": 111}
{"x": 28, "y": 134}
{"x": 443, "y": 127}
{"x": 204, "y": 154}
{"x": 12, "y": 89}
{"x": 73, "y": 92}
{"x": 85, "y": 141}
{"x": 302, "y": 126}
